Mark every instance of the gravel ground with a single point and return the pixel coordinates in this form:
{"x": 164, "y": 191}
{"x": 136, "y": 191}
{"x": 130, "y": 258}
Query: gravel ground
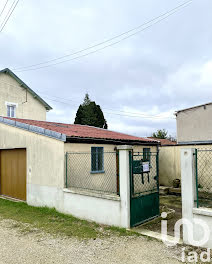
{"x": 36, "y": 247}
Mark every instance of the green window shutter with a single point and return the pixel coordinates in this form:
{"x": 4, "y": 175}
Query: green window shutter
{"x": 146, "y": 154}
{"x": 100, "y": 159}
{"x": 97, "y": 159}
{"x": 93, "y": 159}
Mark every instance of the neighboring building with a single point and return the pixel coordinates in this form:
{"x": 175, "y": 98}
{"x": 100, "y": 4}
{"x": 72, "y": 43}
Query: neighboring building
{"x": 73, "y": 168}
{"x": 164, "y": 142}
{"x": 18, "y": 100}
{"x": 194, "y": 124}
{"x": 194, "y": 130}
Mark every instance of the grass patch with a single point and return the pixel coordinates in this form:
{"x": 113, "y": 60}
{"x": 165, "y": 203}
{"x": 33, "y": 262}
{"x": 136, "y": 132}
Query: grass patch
{"x": 53, "y": 222}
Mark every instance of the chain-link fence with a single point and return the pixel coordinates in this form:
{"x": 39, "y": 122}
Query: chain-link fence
{"x": 204, "y": 177}
{"x": 93, "y": 171}
{"x": 145, "y": 173}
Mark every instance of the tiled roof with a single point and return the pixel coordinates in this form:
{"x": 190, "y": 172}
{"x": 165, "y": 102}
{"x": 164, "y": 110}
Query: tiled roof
{"x": 83, "y": 131}
{"x": 164, "y": 141}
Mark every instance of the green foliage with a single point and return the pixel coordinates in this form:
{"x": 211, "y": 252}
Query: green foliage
{"x": 160, "y": 133}
{"x": 87, "y": 100}
{"x": 89, "y": 113}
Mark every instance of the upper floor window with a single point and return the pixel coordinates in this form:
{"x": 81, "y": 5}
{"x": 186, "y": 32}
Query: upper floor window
{"x": 11, "y": 110}
{"x": 97, "y": 159}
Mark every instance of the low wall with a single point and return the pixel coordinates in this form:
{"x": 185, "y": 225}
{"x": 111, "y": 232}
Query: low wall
{"x": 101, "y": 208}
{"x": 205, "y": 215}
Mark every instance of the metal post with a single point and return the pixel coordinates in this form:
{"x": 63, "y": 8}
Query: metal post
{"x": 157, "y": 168}
{"x": 117, "y": 174}
{"x": 66, "y": 170}
{"x": 196, "y": 168}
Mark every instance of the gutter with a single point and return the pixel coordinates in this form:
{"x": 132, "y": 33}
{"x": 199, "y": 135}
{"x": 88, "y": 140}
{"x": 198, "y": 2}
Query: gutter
{"x": 70, "y": 139}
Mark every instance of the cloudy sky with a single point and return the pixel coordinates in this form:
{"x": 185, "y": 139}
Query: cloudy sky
{"x": 139, "y": 82}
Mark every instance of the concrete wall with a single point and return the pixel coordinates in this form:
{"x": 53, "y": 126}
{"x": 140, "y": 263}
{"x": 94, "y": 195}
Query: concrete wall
{"x": 190, "y": 212}
{"x": 12, "y": 92}
{"x": 45, "y": 163}
{"x": 170, "y": 163}
{"x": 195, "y": 124}
{"x": 101, "y": 209}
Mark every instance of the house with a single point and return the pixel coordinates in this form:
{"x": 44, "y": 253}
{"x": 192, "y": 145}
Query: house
{"x": 194, "y": 124}
{"x": 76, "y": 169}
{"x": 194, "y": 130}
{"x": 19, "y": 100}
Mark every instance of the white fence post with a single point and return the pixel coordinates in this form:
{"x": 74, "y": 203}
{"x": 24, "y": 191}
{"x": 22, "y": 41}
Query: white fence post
{"x": 188, "y": 186}
{"x": 124, "y": 178}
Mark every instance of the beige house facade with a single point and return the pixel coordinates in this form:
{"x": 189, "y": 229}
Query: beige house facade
{"x": 17, "y": 100}
{"x": 194, "y": 130}
{"x": 194, "y": 125}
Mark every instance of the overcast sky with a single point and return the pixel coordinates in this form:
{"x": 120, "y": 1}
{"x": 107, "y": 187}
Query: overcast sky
{"x": 154, "y": 73}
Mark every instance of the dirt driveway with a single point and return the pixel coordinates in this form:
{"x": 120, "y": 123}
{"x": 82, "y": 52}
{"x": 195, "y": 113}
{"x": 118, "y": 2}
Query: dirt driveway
{"x": 36, "y": 247}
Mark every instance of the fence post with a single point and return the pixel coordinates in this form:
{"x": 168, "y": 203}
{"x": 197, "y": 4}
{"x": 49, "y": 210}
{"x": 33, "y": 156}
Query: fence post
{"x": 188, "y": 186}
{"x": 66, "y": 156}
{"x": 196, "y": 177}
{"x": 124, "y": 174}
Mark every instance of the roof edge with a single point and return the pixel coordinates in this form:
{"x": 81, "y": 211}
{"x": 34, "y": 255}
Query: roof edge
{"x": 147, "y": 138}
{"x": 122, "y": 141}
{"x": 33, "y": 129}
{"x": 193, "y": 107}
{"x": 23, "y": 84}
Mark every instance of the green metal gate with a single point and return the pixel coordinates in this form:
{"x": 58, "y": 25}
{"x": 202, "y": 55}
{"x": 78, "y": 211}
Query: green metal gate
{"x": 144, "y": 184}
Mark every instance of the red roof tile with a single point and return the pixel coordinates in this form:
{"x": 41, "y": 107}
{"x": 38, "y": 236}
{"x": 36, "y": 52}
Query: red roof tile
{"x": 164, "y": 141}
{"x": 83, "y": 131}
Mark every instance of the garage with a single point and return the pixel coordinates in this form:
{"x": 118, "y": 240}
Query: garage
{"x": 13, "y": 173}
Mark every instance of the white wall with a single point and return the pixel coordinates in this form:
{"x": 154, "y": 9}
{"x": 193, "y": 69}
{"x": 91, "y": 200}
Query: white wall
{"x": 45, "y": 164}
{"x": 195, "y": 124}
{"x": 189, "y": 210}
{"x": 101, "y": 209}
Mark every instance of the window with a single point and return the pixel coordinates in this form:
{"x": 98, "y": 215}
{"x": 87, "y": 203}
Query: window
{"x": 146, "y": 154}
{"x": 97, "y": 159}
{"x": 11, "y": 110}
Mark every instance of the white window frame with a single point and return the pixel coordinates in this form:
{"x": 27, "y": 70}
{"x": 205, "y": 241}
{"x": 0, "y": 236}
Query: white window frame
{"x": 9, "y": 104}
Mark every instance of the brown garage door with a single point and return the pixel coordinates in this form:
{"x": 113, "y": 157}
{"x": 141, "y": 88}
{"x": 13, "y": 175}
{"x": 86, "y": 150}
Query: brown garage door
{"x": 13, "y": 173}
